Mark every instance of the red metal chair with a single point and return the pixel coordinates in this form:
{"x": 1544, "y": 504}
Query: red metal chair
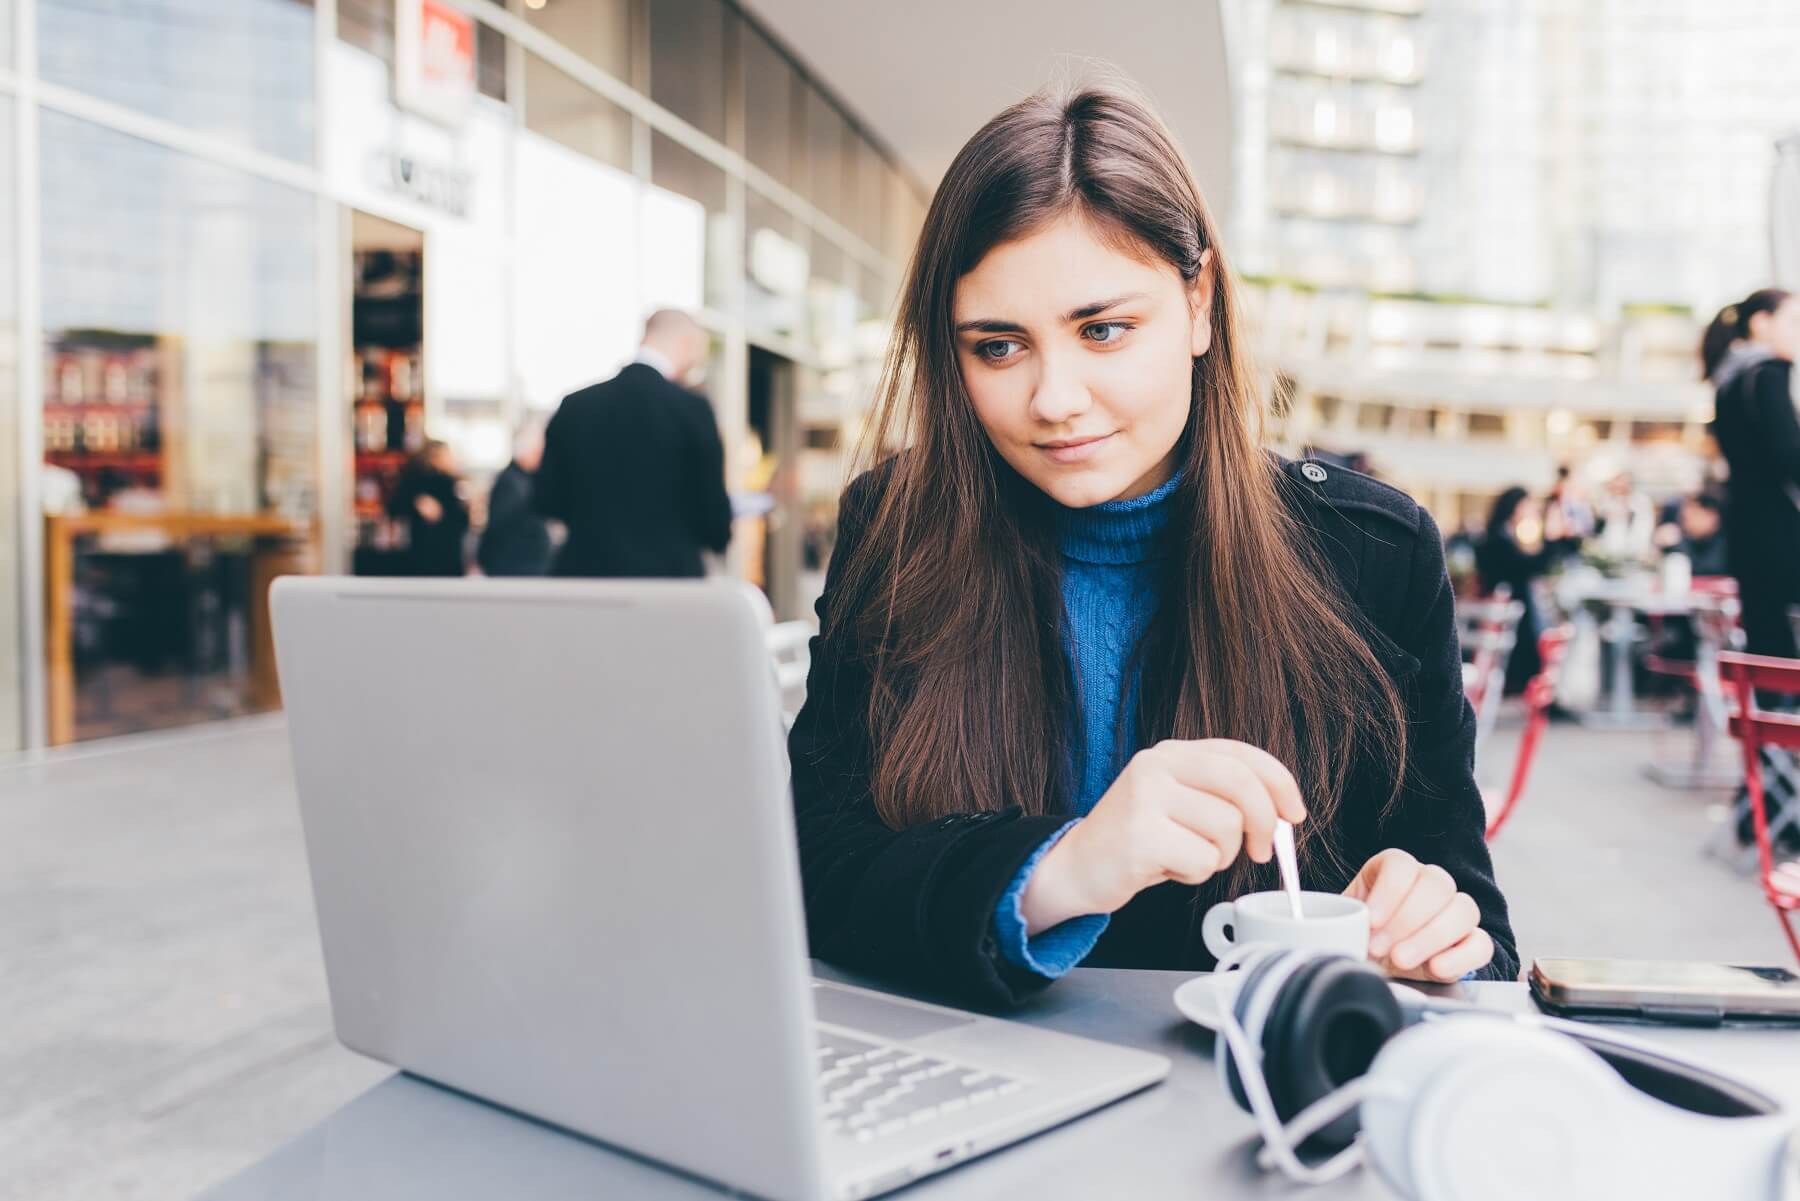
{"x": 1755, "y": 728}
{"x": 1487, "y": 628}
{"x": 1717, "y": 627}
{"x": 1540, "y": 693}
{"x": 1721, "y": 590}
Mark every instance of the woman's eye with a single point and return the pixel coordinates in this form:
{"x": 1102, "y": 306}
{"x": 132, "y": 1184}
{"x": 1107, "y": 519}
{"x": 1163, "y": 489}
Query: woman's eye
{"x": 999, "y": 350}
{"x": 1105, "y": 332}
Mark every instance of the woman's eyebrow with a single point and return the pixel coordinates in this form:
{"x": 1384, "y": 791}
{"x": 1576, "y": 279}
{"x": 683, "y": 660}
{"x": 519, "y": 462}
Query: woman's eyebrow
{"x": 1099, "y": 306}
{"x": 990, "y": 325}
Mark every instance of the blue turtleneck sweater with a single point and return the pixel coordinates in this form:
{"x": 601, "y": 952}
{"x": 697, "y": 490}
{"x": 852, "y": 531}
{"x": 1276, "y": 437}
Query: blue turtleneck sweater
{"x": 1108, "y": 552}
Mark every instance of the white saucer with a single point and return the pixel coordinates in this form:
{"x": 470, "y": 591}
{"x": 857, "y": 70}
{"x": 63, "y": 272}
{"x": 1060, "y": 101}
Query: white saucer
{"x": 1199, "y": 999}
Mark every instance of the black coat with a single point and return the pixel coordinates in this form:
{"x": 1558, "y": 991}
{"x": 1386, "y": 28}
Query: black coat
{"x": 1759, "y": 435}
{"x": 635, "y": 469}
{"x": 916, "y": 906}
{"x": 433, "y": 548}
{"x": 516, "y": 541}
{"x": 1501, "y": 560}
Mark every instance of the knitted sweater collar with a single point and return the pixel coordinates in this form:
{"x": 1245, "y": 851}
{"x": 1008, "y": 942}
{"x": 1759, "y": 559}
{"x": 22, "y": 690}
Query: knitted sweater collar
{"x": 1116, "y": 531}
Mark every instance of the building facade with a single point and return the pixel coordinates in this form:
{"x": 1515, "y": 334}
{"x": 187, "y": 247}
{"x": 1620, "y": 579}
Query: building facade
{"x": 258, "y": 250}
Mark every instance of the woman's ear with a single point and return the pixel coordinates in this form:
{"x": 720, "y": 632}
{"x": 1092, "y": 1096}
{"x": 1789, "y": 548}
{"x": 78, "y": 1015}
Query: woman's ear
{"x": 1200, "y": 298}
{"x": 1758, "y": 326}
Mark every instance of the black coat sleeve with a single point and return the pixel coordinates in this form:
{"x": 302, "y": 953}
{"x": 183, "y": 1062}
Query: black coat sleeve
{"x": 400, "y": 500}
{"x": 709, "y": 505}
{"x": 1776, "y": 422}
{"x": 1440, "y": 816}
{"x": 548, "y": 483}
{"x": 912, "y": 906}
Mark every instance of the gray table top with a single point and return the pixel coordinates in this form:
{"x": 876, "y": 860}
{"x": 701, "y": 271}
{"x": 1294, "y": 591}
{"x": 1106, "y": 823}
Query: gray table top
{"x": 406, "y": 1139}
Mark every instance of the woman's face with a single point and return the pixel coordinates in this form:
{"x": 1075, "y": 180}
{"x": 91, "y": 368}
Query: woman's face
{"x": 1079, "y": 360}
{"x": 1779, "y": 330}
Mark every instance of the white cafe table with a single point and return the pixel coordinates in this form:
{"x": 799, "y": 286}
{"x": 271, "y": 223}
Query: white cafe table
{"x": 1624, "y": 599}
{"x": 407, "y": 1140}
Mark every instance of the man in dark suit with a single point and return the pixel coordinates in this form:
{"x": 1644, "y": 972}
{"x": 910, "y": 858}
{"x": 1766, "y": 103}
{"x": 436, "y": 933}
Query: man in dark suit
{"x": 634, "y": 467}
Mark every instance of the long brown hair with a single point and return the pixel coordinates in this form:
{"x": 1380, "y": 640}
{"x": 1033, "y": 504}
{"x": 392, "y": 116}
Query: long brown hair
{"x": 957, "y": 580}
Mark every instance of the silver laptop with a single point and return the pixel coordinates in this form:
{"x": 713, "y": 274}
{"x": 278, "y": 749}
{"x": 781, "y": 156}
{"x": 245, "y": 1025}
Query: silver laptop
{"x": 552, "y": 851}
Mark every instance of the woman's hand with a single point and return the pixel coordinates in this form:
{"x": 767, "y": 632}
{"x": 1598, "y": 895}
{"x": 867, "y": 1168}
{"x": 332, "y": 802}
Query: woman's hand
{"x": 1181, "y": 810}
{"x": 429, "y": 508}
{"x": 1420, "y": 926}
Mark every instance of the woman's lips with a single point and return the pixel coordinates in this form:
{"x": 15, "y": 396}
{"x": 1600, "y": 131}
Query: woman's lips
{"x": 1075, "y": 450}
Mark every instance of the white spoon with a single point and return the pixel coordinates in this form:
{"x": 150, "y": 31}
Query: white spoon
{"x": 1290, "y": 870}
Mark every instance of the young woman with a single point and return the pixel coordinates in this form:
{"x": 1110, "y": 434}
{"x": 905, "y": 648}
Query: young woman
{"x": 1748, "y": 354}
{"x": 1501, "y": 559}
{"x": 1083, "y": 641}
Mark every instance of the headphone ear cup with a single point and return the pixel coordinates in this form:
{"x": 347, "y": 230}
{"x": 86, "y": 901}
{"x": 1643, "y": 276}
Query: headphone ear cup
{"x": 1333, "y": 1017}
{"x": 1243, "y": 1008}
{"x": 1482, "y": 1109}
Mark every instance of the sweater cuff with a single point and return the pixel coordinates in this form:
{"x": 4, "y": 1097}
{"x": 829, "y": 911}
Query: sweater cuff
{"x": 1055, "y": 951}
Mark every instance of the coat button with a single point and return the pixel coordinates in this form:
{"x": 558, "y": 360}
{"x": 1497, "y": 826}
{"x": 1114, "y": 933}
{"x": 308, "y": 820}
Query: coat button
{"x": 1313, "y": 472}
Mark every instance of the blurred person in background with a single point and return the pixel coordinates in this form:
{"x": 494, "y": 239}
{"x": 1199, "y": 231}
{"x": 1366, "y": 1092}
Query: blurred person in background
{"x": 1697, "y": 531}
{"x": 1514, "y": 551}
{"x": 1568, "y": 505}
{"x": 516, "y": 541}
{"x": 634, "y": 467}
{"x": 1748, "y": 353}
{"x": 1625, "y": 521}
{"x": 428, "y": 498}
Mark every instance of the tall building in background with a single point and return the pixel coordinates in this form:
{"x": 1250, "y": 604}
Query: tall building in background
{"x": 1390, "y": 146}
{"x": 1590, "y": 153}
{"x": 1663, "y": 120}
{"x": 1481, "y": 235}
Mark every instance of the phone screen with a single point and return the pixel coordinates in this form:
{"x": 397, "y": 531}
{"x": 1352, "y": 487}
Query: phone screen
{"x": 1711, "y": 978}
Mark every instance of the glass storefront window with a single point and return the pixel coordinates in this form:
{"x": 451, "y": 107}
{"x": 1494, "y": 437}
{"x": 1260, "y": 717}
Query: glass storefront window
{"x": 180, "y": 413}
{"x": 369, "y": 25}
{"x": 863, "y": 185}
{"x": 688, "y": 62}
{"x": 601, "y": 31}
{"x": 776, "y": 269}
{"x": 770, "y": 89}
{"x": 241, "y": 70}
{"x": 490, "y": 62}
{"x": 826, "y": 136}
{"x": 11, "y": 627}
{"x": 831, "y": 302}
{"x": 565, "y": 111}
{"x": 677, "y": 169}
{"x": 902, "y": 215}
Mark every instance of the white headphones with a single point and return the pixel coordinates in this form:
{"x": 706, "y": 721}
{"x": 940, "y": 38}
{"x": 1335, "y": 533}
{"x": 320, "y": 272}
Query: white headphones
{"x": 1452, "y": 1103}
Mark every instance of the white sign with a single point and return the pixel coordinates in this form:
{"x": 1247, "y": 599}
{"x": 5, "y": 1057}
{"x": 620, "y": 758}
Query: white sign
{"x": 439, "y": 185}
{"x": 434, "y": 60}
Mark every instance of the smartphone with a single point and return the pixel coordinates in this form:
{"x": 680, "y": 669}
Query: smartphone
{"x": 1705, "y": 994}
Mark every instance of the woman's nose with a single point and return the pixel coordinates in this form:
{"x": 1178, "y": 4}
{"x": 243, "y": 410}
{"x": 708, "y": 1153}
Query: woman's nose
{"x": 1060, "y": 395}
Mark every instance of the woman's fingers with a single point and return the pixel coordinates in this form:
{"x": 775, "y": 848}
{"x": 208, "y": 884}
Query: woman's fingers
{"x": 1191, "y": 858}
{"x": 1223, "y": 776}
{"x": 1449, "y": 926}
{"x": 1474, "y": 952}
{"x": 1431, "y": 891}
{"x": 1383, "y": 883}
{"x": 1213, "y": 818}
{"x": 1283, "y": 789}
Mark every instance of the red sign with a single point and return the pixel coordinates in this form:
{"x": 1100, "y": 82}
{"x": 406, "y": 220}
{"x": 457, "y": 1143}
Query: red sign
{"x": 434, "y": 59}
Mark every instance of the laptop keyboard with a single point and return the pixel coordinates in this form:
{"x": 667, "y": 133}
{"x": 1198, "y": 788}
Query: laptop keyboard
{"x": 870, "y": 1090}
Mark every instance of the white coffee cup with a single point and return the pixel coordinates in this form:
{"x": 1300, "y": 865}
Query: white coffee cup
{"x": 1329, "y": 922}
